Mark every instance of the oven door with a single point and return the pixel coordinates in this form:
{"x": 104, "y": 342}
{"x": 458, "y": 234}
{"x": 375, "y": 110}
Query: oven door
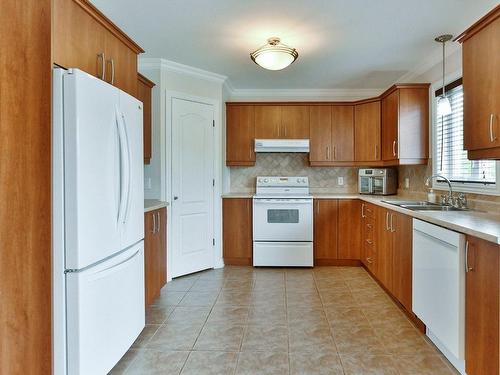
{"x": 282, "y": 219}
{"x": 365, "y": 185}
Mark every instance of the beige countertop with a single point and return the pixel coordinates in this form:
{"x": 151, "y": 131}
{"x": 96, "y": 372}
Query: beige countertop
{"x": 485, "y": 225}
{"x": 153, "y": 204}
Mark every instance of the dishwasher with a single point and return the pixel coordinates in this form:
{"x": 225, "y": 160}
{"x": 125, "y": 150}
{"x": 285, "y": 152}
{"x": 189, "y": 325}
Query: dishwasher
{"x": 439, "y": 288}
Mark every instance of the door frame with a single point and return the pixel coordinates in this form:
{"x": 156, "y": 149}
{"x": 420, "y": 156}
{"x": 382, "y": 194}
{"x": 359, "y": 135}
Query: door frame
{"x": 166, "y": 172}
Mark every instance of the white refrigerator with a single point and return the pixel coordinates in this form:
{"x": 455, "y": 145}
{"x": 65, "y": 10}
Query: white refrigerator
{"x": 98, "y": 223}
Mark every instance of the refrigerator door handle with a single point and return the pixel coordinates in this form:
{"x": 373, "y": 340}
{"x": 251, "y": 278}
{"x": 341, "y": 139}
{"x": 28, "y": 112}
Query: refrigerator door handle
{"x": 128, "y": 168}
{"x": 114, "y": 266}
{"x": 121, "y": 135}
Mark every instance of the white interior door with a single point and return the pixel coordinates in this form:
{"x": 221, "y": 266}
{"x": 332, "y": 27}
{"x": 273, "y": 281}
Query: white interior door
{"x": 192, "y": 186}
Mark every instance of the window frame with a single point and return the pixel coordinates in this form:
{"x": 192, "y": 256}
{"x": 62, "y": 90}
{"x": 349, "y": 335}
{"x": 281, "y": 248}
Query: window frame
{"x": 463, "y": 187}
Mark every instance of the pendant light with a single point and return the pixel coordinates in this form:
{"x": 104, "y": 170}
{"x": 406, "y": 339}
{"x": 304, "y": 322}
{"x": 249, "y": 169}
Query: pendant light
{"x": 443, "y": 104}
{"x": 274, "y": 55}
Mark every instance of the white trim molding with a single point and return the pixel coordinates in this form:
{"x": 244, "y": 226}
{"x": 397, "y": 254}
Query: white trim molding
{"x": 303, "y": 94}
{"x": 171, "y": 66}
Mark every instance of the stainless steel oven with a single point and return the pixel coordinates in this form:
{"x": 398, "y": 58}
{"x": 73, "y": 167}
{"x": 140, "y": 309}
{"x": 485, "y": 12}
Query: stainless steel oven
{"x": 383, "y": 181}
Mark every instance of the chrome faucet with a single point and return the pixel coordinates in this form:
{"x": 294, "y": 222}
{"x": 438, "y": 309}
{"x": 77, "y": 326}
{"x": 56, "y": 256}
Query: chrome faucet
{"x": 449, "y": 198}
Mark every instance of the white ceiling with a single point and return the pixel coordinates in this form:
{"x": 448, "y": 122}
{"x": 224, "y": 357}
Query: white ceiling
{"x": 342, "y": 44}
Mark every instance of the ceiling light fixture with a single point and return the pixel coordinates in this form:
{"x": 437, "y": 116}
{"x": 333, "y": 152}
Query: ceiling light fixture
{"x": 274, "y": 55}
{"x": 443, "y": 104}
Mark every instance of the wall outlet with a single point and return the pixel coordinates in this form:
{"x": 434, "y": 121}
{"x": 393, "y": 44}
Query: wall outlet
{"x": 407, "y": 182}
{"x": 340, "y": 181}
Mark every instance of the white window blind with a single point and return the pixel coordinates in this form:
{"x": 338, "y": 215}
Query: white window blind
{"x": 451, "y": 158}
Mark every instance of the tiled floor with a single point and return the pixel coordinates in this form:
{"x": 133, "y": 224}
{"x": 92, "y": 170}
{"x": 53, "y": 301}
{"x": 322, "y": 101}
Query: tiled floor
{"x": 241, "y": 320}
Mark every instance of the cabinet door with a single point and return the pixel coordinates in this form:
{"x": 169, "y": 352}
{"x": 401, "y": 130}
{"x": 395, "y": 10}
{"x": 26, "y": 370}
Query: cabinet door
{"x": 161, "y": 242}
{"x": 237, "y": 231}
{"x": 325, "y": 231}
{"x": 150, "y": 275}
{"x": 402, "y": 258}
{"x": 349, "y": 229}
{"x": 390, "y": 118}
{"x": 144, "y": 87}
{"x": 367, "y": 131}
{"x": 343, "y": 133}
{"x": 267, "y": 121}
{"x": 481, "y": 64}
{"x": 240, "y": 135}
{"x": 295, "y": 122}
{"x": 78, "y": 38}
{"x": 121, "y": 65}
{"x": 368, "y": 219}
{"x": 320, "y": 133}
{"x": 482, "y": 307}
{"x": 383, "y": 247}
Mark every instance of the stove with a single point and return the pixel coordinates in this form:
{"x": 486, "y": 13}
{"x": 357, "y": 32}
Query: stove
{"x": 282, "y": 222}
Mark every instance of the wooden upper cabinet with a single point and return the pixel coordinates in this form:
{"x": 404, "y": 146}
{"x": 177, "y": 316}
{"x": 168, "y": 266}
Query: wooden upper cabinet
{"x": 84, "y": 38}
{"x": 237, "y": 231}
{"x": 240, "y": 135}
{"x": 320, "y": 133}
{"x": 482, "y": 307}
{"x": 367, "y": 132}
{"x": 343, "y": 133}
{"x": 481, "y": 82}
{"x": 325, "y": 231}
{"x": 295, "y": 122}
{"x": 349, "y": 229}
{"x": 405, "y": 124}
{"x": 267, "y": 121}
{"x": 144, "y": 94}
{"x": 402, "y": 255}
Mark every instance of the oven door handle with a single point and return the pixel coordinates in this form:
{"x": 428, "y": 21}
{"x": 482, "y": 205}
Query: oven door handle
{"x": 265, "y": 202}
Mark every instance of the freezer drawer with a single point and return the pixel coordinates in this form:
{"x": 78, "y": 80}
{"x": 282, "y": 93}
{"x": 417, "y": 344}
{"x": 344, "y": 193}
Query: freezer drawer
{"x": 105, "y": 311}
{"x": 283, "y": 254}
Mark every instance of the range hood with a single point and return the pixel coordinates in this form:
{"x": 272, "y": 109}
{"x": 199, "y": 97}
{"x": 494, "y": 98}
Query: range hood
{"x": 282, "y": 145}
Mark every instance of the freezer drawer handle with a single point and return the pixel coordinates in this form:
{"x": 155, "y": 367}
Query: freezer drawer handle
{"x": 119, "y": 264}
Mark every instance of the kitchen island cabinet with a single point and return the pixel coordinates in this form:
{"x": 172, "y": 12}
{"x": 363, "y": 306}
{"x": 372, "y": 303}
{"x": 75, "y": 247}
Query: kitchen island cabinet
{"x": 237, "y": 231}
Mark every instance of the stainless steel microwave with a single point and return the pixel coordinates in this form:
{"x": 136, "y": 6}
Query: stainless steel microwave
{"x": 383, "y": 181}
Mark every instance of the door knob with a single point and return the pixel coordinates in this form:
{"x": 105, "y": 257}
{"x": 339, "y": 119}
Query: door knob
{"x": 175, "y": 198}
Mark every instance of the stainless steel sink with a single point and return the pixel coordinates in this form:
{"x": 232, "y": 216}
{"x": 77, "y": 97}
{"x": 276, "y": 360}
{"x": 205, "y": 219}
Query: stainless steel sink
{"x": 423, "y": 206}
{"x": 410, "y": 203}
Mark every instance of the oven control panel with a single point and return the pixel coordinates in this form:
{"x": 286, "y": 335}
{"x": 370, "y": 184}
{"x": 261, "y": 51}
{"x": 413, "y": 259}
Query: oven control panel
{"x": 269, "y": 181}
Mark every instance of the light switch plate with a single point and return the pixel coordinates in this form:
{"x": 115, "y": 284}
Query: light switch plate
{"x": 407, "y": 182}
{"x": 340, "y": 181}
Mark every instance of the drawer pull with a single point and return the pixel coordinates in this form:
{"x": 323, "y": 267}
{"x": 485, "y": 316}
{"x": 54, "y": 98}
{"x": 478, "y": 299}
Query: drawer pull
{"x": 103, "y": 65}
{"x": 492, "y": 134}
{"x": 370, "y": 242}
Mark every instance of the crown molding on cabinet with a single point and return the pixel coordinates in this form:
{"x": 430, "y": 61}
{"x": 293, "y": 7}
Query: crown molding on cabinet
{"x": 171, "y": 66}
{"x": 301, "y": 95}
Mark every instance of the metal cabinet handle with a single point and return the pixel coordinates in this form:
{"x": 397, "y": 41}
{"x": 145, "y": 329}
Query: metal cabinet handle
{"x": 103, "y": 65}
{"x": 363, "y": 210}
{"x": 467, "y": 268}
{"x": 387, "y": 221}
{"x": 394, "y": 148}
{"x": 284, "y": 130}
{"x": 158, "y": 230}
{"x": 492, "y": 134}
{"x": 327, "y": 152}
{"x": 369, "y": 226}
{"x": 368, "y": 241}
{"x": 154, "y": 224}
{"x": 334, "y": 152}
{"x": 112, "y": 71}
{"x": 392, "y": 223}
{"x": 376, "y": 151}
{"x": 369, "y": 260}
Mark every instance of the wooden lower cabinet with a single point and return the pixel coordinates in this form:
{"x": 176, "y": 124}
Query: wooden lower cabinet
{"x": 482, "y": 307}
{"x": 368, "y": 250}
{"x": 325, "y": 231}
{"x": 237, "y": 231}
{"x": 384, "y": 248}
{"x": 155, "y": 253}
{"x": 402, "y": 256}
{"x": 349, "y": 229}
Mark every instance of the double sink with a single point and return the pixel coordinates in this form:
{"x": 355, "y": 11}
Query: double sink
{"x": 423, "y": 206}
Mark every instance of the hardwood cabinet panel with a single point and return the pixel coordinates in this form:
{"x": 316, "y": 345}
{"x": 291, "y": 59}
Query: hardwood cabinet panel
{"x": 240, "y": 135}
{"x": 121, "y": 65}
{"x": 144, "y": 94}
{"x": 155, "y": 253}
{"x": 482, "y": 307}
{"x": 383, "y": 247}
{"x": 295, "y": 122}
{"x": 237, "y": 231}
{"x": 78, "y": 39}
{"x": 368, "y": 220}
{"x": 343, "y": 132}
{"x": 367, "y": 131}
{"x": 267, "y": 121}
{"x": 320, "y": 133}
{"x": 390, "y": 125}
{"x": 26, "y": 206}
{"x": 325, "y": 230}
{"x": 402, "y": 254}
{"x": 349, "y": 229}
{"x": 481, "y": 81}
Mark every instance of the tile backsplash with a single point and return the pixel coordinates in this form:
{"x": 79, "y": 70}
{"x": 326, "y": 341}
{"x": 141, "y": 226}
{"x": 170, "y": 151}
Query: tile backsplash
{"x": 321, "y": 179}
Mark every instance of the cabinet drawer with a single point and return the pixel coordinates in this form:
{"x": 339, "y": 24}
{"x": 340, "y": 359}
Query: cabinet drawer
{"x": 367, "y": 211}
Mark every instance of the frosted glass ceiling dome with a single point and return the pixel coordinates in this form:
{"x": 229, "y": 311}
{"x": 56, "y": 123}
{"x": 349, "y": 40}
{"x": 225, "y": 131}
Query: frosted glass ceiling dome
{"x": 274, "y": 55}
